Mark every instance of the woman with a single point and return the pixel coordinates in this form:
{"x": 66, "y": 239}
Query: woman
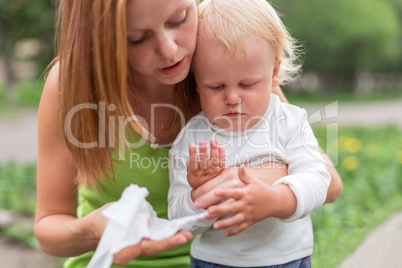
{"x": 117, "y": 58}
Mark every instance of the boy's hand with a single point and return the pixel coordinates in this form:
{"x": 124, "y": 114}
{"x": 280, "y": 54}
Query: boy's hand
{"x": 205, "y": 167}
{"x": 251, "y": 203}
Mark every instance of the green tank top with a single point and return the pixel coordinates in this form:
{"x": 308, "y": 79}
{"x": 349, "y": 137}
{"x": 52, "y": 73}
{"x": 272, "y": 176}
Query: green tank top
{"x": 147, "y": 168}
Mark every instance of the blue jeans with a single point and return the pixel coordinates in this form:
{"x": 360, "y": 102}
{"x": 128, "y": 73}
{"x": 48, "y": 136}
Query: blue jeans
{"x": 300, "y": 263}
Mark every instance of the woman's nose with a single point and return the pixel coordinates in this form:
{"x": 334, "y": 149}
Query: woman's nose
{"x": 167, "y": 46}
{"x": 232, "y": 97}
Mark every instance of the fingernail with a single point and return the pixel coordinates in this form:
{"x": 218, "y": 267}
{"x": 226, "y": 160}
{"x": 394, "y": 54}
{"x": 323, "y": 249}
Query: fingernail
{"x": 197, "y": 205}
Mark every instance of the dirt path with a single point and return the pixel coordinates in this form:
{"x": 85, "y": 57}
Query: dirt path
{"x": 18, "y": 136}
{"x": 16, "y": 256}
{"x": 381, "y": 247}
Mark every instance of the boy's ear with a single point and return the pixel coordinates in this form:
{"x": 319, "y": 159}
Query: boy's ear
{"x": 196, "y": 89}
{"x": 275, "y": 73}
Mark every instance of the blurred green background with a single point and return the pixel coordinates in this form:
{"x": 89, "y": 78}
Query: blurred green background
{"x": 351, "y": 52}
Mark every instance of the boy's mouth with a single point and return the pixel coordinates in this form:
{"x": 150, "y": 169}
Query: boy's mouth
{"x": 234, "y": 114}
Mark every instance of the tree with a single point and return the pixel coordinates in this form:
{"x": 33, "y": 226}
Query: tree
{"x": 23, "y": 19}
{"x": 342, "y": 36}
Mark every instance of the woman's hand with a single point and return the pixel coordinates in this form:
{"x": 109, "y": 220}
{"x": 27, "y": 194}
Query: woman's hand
{"x": 148, "y": 247}
{"x": 145, "y": 247}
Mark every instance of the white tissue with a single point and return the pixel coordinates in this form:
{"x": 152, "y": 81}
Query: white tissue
{"x": 131, "y": 219}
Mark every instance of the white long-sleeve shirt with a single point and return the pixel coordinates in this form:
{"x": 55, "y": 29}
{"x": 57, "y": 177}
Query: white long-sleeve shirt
{"x": 282, "y": 135}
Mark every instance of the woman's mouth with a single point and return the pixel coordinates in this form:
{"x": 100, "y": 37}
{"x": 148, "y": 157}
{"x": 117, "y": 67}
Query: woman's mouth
{"x": 173, "y": 69}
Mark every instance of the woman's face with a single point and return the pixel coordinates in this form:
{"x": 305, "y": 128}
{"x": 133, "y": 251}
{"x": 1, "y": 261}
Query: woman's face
{"x": 161, "y": 38}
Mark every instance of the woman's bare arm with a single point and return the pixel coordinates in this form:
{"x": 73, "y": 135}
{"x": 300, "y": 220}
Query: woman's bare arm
{"x": 57, "y": 228}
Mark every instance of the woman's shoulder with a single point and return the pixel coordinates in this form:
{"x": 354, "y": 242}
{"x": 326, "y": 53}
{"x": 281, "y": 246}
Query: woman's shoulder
{"x": 50, "y": 91}
{"x": 49, "y": 104}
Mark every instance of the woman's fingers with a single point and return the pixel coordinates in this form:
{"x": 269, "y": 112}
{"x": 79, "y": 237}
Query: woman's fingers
{"x": 206, "y": 193}
{"x": 127, "y": 254}
{"x": 150, "y": 247}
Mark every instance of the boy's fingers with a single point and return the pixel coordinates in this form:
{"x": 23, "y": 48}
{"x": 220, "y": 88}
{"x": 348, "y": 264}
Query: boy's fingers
{"x": 229, "y": 222}
{"x": 222, "y": 156}
{"x": 224, "y": 208}
{"x": 204, "y": 156}
{"x": 193, "y": 159}
{"x": 234, "y": 193}
{"x": 243, "y": 175}
{"x": 214, "y": 155}
{"x": 237, "y": 229}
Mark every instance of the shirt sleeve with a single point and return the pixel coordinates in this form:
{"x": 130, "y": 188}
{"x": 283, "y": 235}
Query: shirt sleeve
{"x": 179, "y": 196}
{"x": 308, "y": 177}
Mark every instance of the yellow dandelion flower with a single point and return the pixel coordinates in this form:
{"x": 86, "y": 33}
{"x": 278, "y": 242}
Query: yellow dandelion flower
{"x": 352, "y": 145}
{"x": 399, "y": 157}
{"x": 350, "y": 163}
{"x": 342, "y": 141}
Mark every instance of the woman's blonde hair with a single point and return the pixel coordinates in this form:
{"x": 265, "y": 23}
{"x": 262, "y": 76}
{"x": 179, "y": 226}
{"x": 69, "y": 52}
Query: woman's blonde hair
{"x": 231, "y": 22}
{"x": 92, "y": 56}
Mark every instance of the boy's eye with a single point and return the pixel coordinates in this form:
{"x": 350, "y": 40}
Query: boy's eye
{"x": 216, "y": 87}
{"x": 247, "y": 85}
{"x": 180, "y": 22}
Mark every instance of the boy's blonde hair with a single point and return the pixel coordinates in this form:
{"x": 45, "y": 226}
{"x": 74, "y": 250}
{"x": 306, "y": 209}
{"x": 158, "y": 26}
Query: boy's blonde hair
{"x": 231, "y": 22}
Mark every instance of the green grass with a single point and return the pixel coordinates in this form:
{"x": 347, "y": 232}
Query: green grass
{"x": 370, "y": 164}
{"x": 18, "y": 194}
{"x": 18, "y": 188}
{"x": 27, "y": 93}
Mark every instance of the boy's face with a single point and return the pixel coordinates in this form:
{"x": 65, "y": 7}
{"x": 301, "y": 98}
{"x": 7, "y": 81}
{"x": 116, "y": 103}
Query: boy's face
{"x": 235, "y": 89}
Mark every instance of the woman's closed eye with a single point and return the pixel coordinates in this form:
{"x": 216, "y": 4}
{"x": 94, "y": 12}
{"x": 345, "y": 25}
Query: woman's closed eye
{"x": 139, "y": 40}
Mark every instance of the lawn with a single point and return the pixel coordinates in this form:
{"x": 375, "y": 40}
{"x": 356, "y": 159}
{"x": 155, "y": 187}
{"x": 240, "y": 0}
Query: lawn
{"x": 370, "y": 164}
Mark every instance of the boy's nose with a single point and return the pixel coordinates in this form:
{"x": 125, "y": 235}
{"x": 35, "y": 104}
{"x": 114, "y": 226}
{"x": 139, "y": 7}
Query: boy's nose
{"x": 167, "y": 46}
{"x": 232, "y": 97}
